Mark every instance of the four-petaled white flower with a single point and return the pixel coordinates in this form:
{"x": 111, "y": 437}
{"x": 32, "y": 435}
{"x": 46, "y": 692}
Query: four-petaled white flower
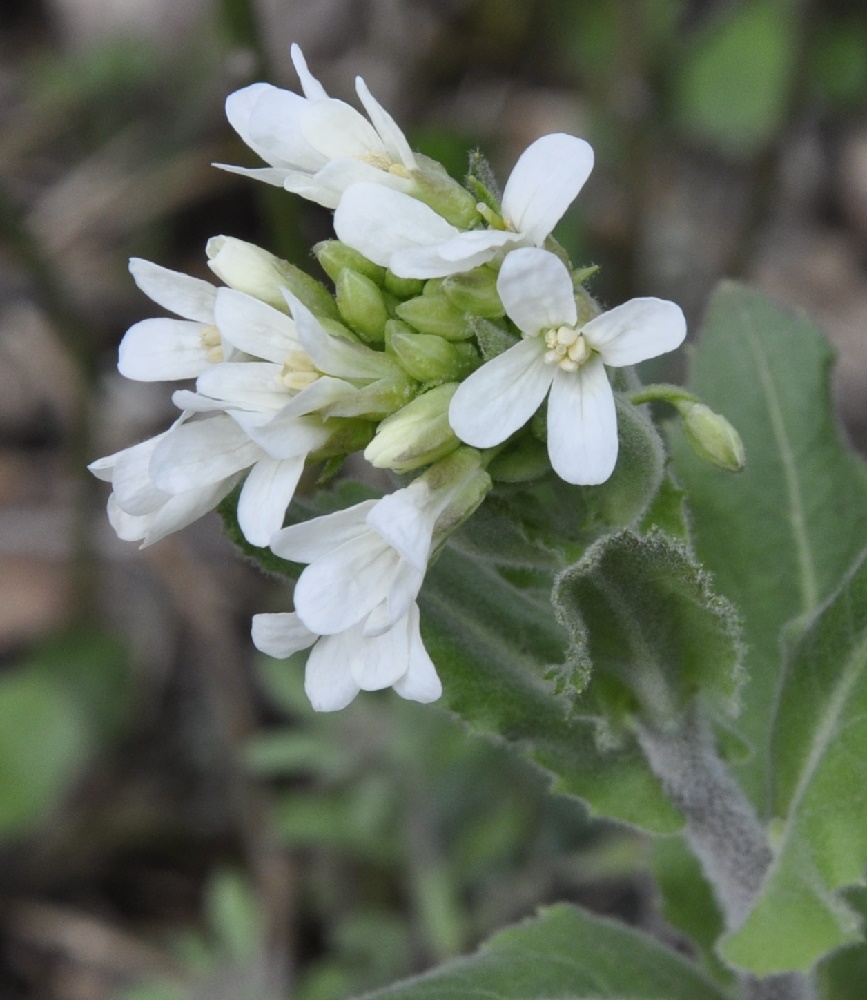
{"x": 397, "y": 231}
{"x": 316, "y": 145}
{"x": 356, "y": 598}
{"x": 566, "y": 357}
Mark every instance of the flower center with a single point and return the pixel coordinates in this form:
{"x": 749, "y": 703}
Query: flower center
{"x": 298, "y": 371}
{"x": 212, "y": 343}
{"x": 567, "y": 348}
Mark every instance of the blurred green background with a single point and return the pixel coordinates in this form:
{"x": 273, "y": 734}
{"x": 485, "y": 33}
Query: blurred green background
{"x": 174, "y": 821}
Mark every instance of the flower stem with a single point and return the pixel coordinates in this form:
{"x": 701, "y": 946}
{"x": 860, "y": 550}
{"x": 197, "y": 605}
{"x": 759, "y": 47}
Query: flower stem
{"x": 721, "y": 828}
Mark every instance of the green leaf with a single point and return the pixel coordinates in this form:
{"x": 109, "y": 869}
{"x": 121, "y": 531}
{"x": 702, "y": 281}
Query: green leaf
{"x": 818, "y": 751}
{"x": 734, "y": 85}
{"x": 492, "y": 644}
{"x": 780, "y": 536}
{"x": 642, "y": 612}
{"x": 567, "y": 954}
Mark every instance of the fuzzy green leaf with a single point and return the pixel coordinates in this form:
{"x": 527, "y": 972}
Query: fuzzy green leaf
{"x": 641, "y": 610}
{"x": 819, "y": 746}
{"x": 780, "y": 536}
{"x": 493, "y": 645}
{"x": 564, "y": 954}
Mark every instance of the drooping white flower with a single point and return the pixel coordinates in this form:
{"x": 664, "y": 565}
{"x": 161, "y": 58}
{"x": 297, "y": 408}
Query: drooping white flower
{"x": 164, "y": 349}
{"x": 316, "y": 145}
{"x": 341, "y": 665}
{"x": 397, "y": 231}
{"x": 564, "y": 359}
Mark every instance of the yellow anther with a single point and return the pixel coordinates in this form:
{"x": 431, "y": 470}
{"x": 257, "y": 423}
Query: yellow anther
{"x": 567, "y": 336}
{"x": 298, "y": 380}
{"x": 298, "y": 361}
{"x": 579, "y": 351}
{"x": 214, "y": 354}
{"x": 399, "y": 170}
{"x": 210, "y": 337}
{"x": 568, "y": 365}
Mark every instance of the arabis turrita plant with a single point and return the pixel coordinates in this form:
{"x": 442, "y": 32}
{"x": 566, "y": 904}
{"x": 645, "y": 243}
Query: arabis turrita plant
{"x": 532, "y": 561}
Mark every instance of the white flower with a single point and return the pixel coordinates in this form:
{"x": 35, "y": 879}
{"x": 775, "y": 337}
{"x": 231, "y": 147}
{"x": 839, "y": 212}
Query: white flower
{"x": 316, "y": 145}
{"x": 566, "y": 357}
{"x": 356, "y": 599}
{"x": 397, "y": 231}
{"x": 341, "y": 665}
{"x": 157, "y": 350}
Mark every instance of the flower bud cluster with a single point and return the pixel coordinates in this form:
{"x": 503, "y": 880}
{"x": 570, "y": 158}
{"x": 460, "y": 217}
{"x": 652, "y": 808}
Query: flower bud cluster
{"x": 448, "y": 322}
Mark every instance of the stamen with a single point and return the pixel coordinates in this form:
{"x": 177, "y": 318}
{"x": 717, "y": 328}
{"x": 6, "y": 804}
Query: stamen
{"x": 298, "y": 380}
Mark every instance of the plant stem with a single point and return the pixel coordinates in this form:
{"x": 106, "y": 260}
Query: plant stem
{"x": 721, "y": 828}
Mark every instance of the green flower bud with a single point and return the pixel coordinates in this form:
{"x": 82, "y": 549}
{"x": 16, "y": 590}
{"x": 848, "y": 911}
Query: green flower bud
{"x": 347, "y": 436}
{"x": 435, "y": 187}
{"x": 360, "y": 304}
{"x": 435, "y": 314}
{"x": 403, "y": 288}
{"x": 522, "y": 462}
{"x": 336, "y": 257}
{"x": 429, "y": 358}
{"x": 712, "y": 437}
{"x": 416, "y": 435}
{"x": 475, "y": 292}
{"x": 376, "y": 399}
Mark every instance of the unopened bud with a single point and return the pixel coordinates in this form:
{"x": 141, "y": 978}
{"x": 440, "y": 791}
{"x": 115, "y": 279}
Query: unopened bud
{"x": 429, "y": 358}
{"x": 435, "y": 187}
{"x": 416, "y": 435}
{"x": 524, "y": 461}
{"x": 475, "y": 292}
{"x": 336, "y": 257}
{"x": 403, "y": 288}
{"x": 435, "y": 314}
{"x": 712, "y": 437}
{"x": 250, "y": 269}
{"x": 360, "y": 304}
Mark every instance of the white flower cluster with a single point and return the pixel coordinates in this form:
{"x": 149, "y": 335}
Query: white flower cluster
{"x": 288, "y": 374}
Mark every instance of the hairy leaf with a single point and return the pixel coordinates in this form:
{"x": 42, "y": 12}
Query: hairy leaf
{"x": 780, "y": 536}
{"x": 564, "y": 954}
{"x": 818, "y": 751}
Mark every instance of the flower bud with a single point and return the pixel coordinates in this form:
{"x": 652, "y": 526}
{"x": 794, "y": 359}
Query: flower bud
{"x": 712, "y": 437}
{"x": 347, "y": 436}
{"x": 377, "y": 399}
{"x": 435, "y": 314}
{"x": 250, "y": 269}
{"x": 360, "y": 304}
{"x": 463, "y": 482}
{"x": 403, "y": 288}
{"x": 429, "y": 358}
{"x": 335, "y": 257}
{"x": 521, "y": 462}
{"x": 475, "y": 292}
{"x": 435, "y": 187}
{"x": 416, "y": 435}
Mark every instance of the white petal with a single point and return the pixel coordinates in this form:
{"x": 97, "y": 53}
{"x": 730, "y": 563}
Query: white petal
{"x": 320, "y": 535}
{"x": 281, "y": 635}
{"x": 319, "y": 395}
{"x": 283, "y": 437}
{"x": 181, "y": 294}
{"x": 327, "y": 679}
{"x": 267, "y": 492}
{"x": 162, "y": 350}
{"x": 239, "y": 108}
{"x": 342, "y": 587}
{"x": 536, "y": 290}
{"x": 334, "y": 129}
{"x": 246, "y": 385}
{"x": 637, "y": 330}
{"x": 313, "y": 89}
{"x": 403, "y": 521}
{"x": 268, "y": 175}
{"x": 546, "y": 179}
{"x": 379, "y": 222}
{"x": 202, "y": 452}
{"x": 392, "y": 138}
{"x": 582, "y": 425}
{"x": 402, "y": 592}
{"x": 192, "y": 402}
{"x": 420, "y": 682}
{"x": 275, "y": 130}
{"x": 329, "y": 183}
{"x": 502, "y": 395}
{"x": 135, "y": 491}
{"x": 454, "y": 256}
{"x": 382, "y": 660}
{"x": 254, "y": 327}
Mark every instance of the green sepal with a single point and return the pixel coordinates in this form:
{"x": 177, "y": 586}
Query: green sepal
{"x": 403, "y": 288}
{"x": 437, "y": 189}
{"x": 482, "y": 182}
{"x": 524, "y": 460}
{"x": 475, "y": 292}
{"x": 430, "y": 358}
{"x": 376, "y": 399}
{"x": 493, "y": 338}
{"x": 309, "y": 292}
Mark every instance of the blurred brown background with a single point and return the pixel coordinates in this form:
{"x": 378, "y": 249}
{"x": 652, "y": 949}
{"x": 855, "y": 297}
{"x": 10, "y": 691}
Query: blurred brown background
{"x": 173, "y": 822}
